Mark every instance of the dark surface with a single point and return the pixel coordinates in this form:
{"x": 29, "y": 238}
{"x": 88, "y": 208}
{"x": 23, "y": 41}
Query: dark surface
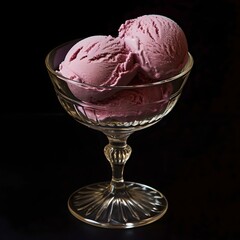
{"x": 192, "y": 155}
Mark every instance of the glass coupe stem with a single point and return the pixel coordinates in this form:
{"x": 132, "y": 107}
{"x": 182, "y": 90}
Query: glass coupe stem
{"x": 117, "y": 203}
{"x": 117, "y": 152}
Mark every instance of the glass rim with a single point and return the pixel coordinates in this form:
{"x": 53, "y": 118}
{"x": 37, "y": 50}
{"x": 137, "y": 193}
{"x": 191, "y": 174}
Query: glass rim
{"x": 185, "y": 70}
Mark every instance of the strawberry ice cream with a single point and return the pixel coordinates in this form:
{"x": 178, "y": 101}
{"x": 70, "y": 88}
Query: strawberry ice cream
{"x": 98, "y": 61}
{"x": 148, "y": 49}
{"x": 159, "y": 44}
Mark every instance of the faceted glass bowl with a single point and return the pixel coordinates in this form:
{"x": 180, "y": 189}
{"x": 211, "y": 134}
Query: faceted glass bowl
{"x": 116, "y": 203}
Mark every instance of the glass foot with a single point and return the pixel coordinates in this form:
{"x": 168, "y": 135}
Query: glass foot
{"x": 102, "y": 205}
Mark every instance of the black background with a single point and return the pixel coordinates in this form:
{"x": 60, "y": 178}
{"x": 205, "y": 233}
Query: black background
{"x": 192, "y": 155}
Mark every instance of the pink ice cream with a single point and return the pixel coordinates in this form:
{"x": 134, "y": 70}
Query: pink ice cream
{"x": 147, "y": 49}
{"x": 159, "y": 43}
{"x": 98, "y": 61}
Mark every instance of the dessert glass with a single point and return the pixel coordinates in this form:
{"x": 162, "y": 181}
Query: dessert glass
{"x": 116, "y": 203}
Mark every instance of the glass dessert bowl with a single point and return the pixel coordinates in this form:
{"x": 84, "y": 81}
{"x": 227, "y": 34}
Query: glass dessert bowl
{"x": 116, "y": 203}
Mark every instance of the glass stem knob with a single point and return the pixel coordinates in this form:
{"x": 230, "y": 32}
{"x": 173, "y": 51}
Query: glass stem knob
{"x": 117, "y": 152}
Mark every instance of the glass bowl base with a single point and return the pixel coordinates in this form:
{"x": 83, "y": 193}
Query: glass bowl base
{"x": 103, "y": 205}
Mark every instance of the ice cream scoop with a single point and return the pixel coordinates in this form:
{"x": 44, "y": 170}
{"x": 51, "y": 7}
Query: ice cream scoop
{"x": 98, "y": 61}
{"x": 159, "y": 44}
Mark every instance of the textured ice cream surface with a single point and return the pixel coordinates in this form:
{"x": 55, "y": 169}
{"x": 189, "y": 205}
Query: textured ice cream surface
{"x": 159, "y": 43}
{"x": 104, "y": 70}
{"x": 98, "y": 61}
